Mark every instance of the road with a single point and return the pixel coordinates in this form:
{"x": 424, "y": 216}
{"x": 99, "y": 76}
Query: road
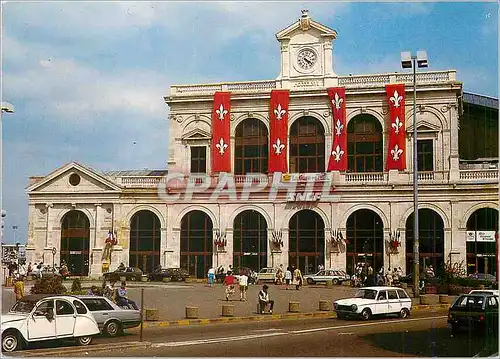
{"x": 423, "y": 334}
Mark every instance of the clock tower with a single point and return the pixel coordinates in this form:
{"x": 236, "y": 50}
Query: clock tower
{"x": 306, "y": 54}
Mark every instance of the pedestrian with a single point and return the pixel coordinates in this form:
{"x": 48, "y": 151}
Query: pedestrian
{"x": 243, "y": 281}
{"x": 39, "y": 270}
{"x": 279, "y": 275}
{"x": 230, "y": 270}
{"x": 288, "y": 277}
{"x": 229, "y": 282}
{"x": 211, "y": 276}
{"x": 321, "y": 267}
{"x": 30, "y": 268}
{"x": 388, "y": 277}
{"x": 297, "y": 278}
{"x": 264, "y": 300}
{"x": 121, "y": 267}
{"x": 18, "y": 288}
{"x": 92, "y": 290}
{"x": 122, "y": 298}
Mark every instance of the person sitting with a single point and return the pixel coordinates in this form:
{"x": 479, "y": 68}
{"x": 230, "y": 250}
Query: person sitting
{"x": 264, "y": 300}
{"x": 122, "y": 299}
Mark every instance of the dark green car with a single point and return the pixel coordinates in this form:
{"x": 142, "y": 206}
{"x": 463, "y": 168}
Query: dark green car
{"x": 129, "y": 273}
{"x": 474, "y": 312}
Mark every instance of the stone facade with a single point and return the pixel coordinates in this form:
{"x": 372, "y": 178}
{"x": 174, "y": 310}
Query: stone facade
{"x": 109, "y": 200}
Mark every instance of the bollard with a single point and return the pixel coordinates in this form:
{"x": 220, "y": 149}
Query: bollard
{"x": 444, "y": 299}
{"x": 294, "y": 307}
{"x": 8, "y": 281}
{"x": 166, "y": 279}
{"x": 29, "y": 277}
{"x": 123, "y": 279}
{"x": 192, "y": 312}
{"x": 227, "y": 310}
{"x": 144, "y": 278}
{"x": 152, "y": 314}
{"x": 325, "y": 305}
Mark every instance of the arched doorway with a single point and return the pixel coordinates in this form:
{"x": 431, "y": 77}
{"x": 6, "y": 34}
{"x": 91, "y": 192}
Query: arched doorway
{"x": 75, "y": 242}
{"x": 365, "y": 234}
{"x": 431, "y": 241}
{"x": 144, "y": 251}
{"x": 306, "y": 241}
{"x": 250, "y": 240}
{"x": 307, "y": 146}
{"x": 365, "y": 144}
{"x": 251, "y": 147}
{"x": 481, "y": 241}
{"x": 196, "y": 243}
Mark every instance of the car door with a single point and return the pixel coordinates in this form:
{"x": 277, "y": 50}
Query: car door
{"x": 492, "y": 312}
{"x": 41, "y": 322}
{"x": 319, "y": 277}
{"x": 393, "y": 302}
{"x": 65, "y": 318}
{"x": 381, "y": 304}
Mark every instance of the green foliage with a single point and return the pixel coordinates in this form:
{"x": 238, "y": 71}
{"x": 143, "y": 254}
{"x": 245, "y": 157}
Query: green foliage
{"x": 48, "y": 285}
{"x": 77, "y": 285}
{"x": 79, "y": 292}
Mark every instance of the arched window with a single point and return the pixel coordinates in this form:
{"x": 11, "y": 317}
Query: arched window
{"x": 196, "y": 243}
{"x": 307, "y": 146}
{"x": 364, "y": 144}
{"x": 365, "y": 233}
{"x": 431, "y": 240}
{"x": 250, "y": 241}
{"x": 251, "y": 147}
{"x": 481, "y": 241}
{"x": 145, "y": 241}
{"x": 75, "y": 242}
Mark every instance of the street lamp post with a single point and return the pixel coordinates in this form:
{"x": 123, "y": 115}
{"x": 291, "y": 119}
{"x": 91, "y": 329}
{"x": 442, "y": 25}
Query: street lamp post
{"x": 410, "y": 61}
{"x": 9, "y": 108}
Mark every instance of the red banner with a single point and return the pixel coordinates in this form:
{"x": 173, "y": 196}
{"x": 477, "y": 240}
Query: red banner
{"x": 221, "y": 148}
{"x": 338, "y": 156}
{"x": 396, "y": 157}
{"x": 278, "y": 138}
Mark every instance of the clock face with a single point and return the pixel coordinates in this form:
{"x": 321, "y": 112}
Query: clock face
{"x": 306, "y": 58}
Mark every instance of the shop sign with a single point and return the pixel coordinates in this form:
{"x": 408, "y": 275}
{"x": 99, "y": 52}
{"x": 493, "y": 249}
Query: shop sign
{"x": 75, "y": 252}
{"x": 304, "y": 177}
{"x": 481, "y": 236}
{"x": 304, "y": 197}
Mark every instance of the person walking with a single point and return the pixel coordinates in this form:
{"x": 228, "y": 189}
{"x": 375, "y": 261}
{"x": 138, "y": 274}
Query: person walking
{"x": 297, "y": 278}
{"x": 229, "y": 282}
{"x": 279, "y": 275}
{"x": 264, "y": 300}
{"x": 388, "y": 277}
{"x": 18, "y": 288}
{"x": 288, "y": 277}
{"x": 211, "y": 276}
{"x": 243, "y": 281}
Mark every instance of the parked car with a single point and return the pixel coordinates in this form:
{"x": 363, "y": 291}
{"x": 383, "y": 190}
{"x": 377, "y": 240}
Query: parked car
{"x": 33, "y": 319}
{"x": 484, "y": 277}
{"x": 130, "y": 273}
{"x": 326, "y": 275}
{"x": 475, "y": 312}
{"x": 266, "y": 274}
{"x": 175, "y": 274}
{"x": 370, "y": 301}
{"x": 110, "y": 318}
{"x": 485, "y": 291}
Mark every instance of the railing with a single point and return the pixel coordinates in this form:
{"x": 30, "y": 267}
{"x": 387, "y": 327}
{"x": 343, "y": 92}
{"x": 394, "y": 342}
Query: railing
{"x": 485, "y": 174}
{"x": 139, "y": 181}
{"x": 366, "y": 177}
{"x": 356, "y": 81}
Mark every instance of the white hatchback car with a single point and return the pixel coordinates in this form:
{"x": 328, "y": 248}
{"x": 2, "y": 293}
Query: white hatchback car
{"x": 371, "y": 301}
{"x": 34, "y": 319}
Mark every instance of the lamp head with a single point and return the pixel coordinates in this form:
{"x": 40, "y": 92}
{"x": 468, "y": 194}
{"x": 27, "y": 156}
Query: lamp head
{"x": 406, "y": 60}
{"x": 422, "y": 58}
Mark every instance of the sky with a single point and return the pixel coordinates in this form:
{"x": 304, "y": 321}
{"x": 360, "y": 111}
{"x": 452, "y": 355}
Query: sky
{"x": 87, "y": 79}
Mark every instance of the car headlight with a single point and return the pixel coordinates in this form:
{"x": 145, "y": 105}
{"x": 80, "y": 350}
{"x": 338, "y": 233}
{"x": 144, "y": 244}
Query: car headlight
{"x": 354, "y": 307}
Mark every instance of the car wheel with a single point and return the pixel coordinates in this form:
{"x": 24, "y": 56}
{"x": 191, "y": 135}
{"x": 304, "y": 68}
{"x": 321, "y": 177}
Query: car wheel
{"x": 366, "y": 314}
{"x": 10, "y": 342}
{"x": 112, "y": 329}
{"x": 310, "y": 281}
{"x": 83, "y": 341}
{"x": 404, "y": 313}
{"x": 335, "y": 281}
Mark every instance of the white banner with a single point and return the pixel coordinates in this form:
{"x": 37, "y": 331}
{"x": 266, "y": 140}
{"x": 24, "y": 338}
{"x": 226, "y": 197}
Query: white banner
{"x": 305, "y": 177}
{"x": 481, "y": 236}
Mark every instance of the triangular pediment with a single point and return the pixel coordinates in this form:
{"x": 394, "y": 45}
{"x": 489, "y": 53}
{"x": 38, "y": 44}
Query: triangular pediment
{"x": 196, "y": 134}
{"x": 296, "y": 27}
{"x": 424, "y": 126}
{"x": 84, "y": 180}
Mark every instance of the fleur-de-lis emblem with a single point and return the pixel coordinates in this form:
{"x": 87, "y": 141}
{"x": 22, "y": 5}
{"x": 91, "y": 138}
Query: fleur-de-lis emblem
{"x": 397, "y": 125}
{"x": 338, "y": 128}
{"x": 221, "y": 146}
{"x": 337, "y": 153}
{"x": 221, "y": 112}
{"x": 278, "y": 147}
{"x": 338, "y": 101}
{"x": 396, "y": 153}
{"x": 396, "y": 99}
{"x": 279, "y": 112}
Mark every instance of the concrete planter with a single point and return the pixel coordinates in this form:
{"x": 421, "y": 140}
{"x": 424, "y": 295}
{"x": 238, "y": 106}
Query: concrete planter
{"x": 325, "y": 305}
{"x": 429, "y": 299}
{"x": 294, "y": 307}
{"x": 151, "y": 314}
{"x": 444, "y": 299}
{"x": 192, "y": 312}
{"x": 228, "y": 310}
{"x": 166, "y": 280}
{"x": 144, "y": 279}
{"x": 123, "y": 279}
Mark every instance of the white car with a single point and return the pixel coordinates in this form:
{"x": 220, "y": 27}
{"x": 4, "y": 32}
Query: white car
{"x": 323, "y": 276}
{"x": 33, "y": 319}
{"x": 266, "y": 274}
{"x": 485, "y": 291}
{"x": 371, "y": 301}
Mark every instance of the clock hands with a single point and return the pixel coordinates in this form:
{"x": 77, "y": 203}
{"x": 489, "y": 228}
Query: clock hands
{"x": 307, "y": 60}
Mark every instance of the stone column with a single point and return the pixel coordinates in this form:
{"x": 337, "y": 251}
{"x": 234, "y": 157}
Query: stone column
{"x": 173, "y": 250}
{"x": 95, "y": 247}
{"x": 285, "y": 250}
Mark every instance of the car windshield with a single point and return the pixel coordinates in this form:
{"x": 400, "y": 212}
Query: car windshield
{"x": 366, "y": 294}
{"x": 23, "y": 307}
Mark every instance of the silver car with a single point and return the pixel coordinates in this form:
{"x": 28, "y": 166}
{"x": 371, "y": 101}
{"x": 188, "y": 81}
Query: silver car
{"x": 110, "y": 318}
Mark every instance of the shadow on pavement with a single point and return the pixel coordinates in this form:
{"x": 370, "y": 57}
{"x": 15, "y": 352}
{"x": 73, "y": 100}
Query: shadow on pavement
{"x": 435, "y": 342}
